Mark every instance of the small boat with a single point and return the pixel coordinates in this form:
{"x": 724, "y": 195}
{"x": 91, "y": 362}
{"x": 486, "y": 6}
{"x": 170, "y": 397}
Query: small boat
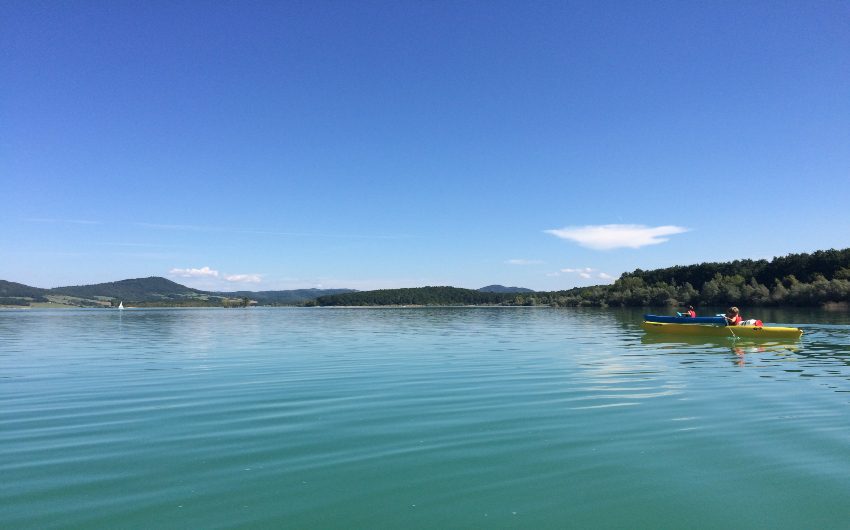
{"x": 121, "y": 305}
{"x": 719, "y": 320}
{"x": 750, "y": 332}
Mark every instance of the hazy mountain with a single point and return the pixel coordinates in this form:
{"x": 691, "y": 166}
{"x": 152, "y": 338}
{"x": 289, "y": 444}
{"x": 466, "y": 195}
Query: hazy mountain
{"x": 503, "y": 289}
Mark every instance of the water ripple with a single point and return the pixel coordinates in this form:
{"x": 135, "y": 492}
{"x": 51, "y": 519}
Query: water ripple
{"x": 414, "y": 418}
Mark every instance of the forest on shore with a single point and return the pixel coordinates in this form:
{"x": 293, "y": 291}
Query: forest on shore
{"x": 814, "y": 279}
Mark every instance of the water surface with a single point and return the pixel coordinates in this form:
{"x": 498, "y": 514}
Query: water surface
{"x": 417, "y": 418}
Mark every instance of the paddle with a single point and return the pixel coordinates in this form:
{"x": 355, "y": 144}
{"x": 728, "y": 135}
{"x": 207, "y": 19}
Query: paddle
{"x": 735, "y": 337}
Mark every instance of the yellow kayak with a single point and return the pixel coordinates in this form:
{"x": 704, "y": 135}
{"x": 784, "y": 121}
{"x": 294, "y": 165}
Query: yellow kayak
{"x": 750, "y": 332}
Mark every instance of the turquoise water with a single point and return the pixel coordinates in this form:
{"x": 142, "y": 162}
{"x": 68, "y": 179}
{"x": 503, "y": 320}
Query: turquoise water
{"x": 417, "y": 418}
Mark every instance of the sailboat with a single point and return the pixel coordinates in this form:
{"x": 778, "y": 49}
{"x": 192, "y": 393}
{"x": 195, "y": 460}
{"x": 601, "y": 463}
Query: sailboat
{"x": 121, "y": 305}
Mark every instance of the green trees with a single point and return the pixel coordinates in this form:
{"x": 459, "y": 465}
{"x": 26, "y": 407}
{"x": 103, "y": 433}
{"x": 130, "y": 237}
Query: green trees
{"x": 425, "y": 296}
{"x": 796, "y": 279}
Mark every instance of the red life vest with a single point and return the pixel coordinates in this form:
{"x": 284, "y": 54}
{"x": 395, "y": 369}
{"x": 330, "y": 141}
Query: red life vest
{"x": 692, "y": 313}
{"x": 736, "y": 320}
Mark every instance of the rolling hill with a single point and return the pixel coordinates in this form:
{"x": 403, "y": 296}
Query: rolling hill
{"x": 137, "y": 290}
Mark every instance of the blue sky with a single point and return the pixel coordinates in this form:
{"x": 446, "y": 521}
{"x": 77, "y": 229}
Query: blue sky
{"x": 278, "y": 145}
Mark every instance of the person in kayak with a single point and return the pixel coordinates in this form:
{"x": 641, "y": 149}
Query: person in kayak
{"x": 733, "y": 316}
{"x": 690, "y": 313}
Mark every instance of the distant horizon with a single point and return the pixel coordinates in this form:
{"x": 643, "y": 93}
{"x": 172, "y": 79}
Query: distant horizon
{"x": 254, "y": 290}
{"x": 281, "y": 146}
{"x": 492, "y": 284}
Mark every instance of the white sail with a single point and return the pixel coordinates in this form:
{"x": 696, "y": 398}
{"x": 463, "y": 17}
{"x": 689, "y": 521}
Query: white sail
{"x": 120, "y": 305}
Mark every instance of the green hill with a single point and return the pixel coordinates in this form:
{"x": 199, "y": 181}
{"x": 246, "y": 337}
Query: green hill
{"x": 18, "y": 294}
{"x": 12, "y": 289}
{"x": 149, "y": 289}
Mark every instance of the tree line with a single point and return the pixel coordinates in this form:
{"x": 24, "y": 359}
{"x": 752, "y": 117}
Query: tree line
{"x": 416, "y": 296}
{"x": 795, "y": 280}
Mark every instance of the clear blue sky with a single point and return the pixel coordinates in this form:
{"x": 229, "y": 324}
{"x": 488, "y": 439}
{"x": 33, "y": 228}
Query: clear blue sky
{"x": 277, "y": 145}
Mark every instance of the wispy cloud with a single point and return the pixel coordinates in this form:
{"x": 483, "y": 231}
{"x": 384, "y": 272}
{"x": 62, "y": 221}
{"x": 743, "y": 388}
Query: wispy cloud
{"x": 203, "y": 272}
{"x": 184, "y": 228}
{"x": 277, "y": 233}
{"x": 133, "y": 245}
{"x": 585, "y": 273}
{"x": 63, "y": 221}
{"x": 208, "y": 278}
{"x": 244, "y": 278}
{"x": 524, "y": 262}
{"x": 607, "y": 237}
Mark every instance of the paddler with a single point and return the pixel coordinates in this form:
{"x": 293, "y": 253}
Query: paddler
{"x": 691, "y": 313}
{"x": 733, "y": 316}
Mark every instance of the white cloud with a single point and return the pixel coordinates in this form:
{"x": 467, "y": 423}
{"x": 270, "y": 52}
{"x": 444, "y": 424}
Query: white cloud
{"x": 203, "y": 272}
{"x": 585, "y": 272}
{"x": 523, "y": 262}
{"x": 607, "y": 237}
{"x": 244, "y": 278}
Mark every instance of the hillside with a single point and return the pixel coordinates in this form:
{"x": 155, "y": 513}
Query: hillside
{"x": 18, "y": 294}
{"x": 10, "y": 289}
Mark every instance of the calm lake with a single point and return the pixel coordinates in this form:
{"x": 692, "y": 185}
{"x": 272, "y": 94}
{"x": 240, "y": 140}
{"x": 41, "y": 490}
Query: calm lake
{"x": 417, "y": 418}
